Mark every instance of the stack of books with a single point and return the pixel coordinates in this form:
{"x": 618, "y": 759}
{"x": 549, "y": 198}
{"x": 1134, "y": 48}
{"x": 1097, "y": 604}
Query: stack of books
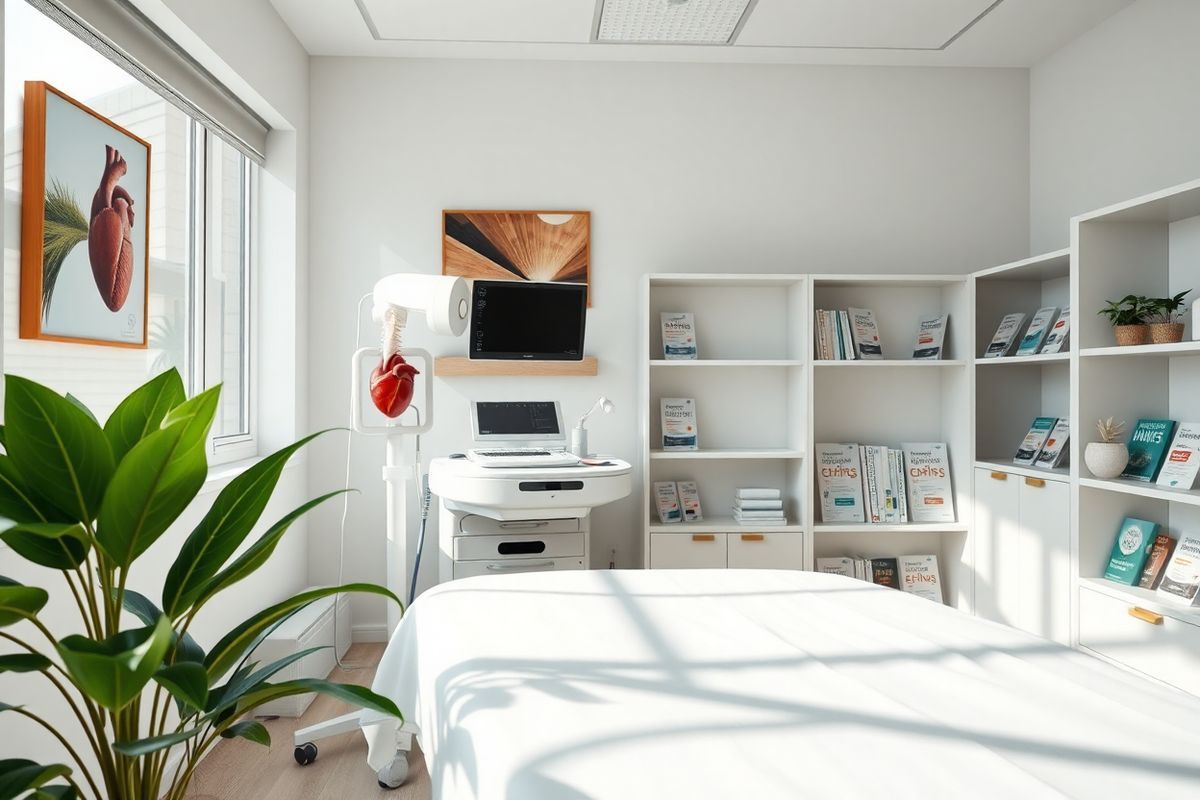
{"x": 759, "y": 507}
{"x": 879, "y": 484}
{"x": 846, "y": 335}
{"x": 913, "y": 574}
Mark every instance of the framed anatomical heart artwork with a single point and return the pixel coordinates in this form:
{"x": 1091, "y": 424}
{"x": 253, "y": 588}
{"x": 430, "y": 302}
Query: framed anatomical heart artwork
{"x": 84, "y": 227}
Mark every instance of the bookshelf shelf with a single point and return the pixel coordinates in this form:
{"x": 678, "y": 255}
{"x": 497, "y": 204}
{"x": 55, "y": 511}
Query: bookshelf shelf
{"x": 1008, "y": 361}
{"x": 999, "y": 464}
{"x": 1124, "y": 486}
{"x": 890, "y": 363}
{"x": 720, "y": 525}
{"x": 1144, "y": 598}
{"x": 734, "y": 454}
{"x": 902, "y": 528}
{"x": 700, "y": 363}
{"x": 1176, "y": 349}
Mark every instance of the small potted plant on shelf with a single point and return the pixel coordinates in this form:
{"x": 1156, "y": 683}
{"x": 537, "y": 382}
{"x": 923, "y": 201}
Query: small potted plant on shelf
{"x": 1128, "y": 318}
{"x": 1107, "y": 458}
{"x": 1163, "y": 316}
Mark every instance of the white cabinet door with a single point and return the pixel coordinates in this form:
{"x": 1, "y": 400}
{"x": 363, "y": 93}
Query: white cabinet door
{"x": 994, "y": 551}
{"x": 766, "y": 550}
{"x": 1043, "y": 577}
{"x": 687, "y": 551}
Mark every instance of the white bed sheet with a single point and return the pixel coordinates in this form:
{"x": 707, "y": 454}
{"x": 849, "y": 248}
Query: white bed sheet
{"x": 752, "y": 685}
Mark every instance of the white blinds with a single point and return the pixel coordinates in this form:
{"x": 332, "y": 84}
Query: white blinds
{"x": 121, "y": 33}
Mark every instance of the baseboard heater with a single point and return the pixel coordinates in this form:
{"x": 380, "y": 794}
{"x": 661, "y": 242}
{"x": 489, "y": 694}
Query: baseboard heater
{"x": 312, "y": 626}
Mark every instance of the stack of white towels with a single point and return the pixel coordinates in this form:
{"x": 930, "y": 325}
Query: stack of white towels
{"x": 759, "y": 507}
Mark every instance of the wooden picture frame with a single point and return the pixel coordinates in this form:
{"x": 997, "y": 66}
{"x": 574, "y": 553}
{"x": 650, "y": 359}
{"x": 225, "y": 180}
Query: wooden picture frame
{"x": 108, "y": 250}
{"x": 550, "y": 246}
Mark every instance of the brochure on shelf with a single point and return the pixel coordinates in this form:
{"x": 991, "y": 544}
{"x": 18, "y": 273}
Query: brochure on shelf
{"x": 678, "y": 336}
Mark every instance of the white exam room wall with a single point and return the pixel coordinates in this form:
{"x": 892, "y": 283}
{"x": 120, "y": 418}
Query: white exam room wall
{"x": 685, "y": 167}
{"x": 1113, "y": 115}
{"x": 238, "y": 35}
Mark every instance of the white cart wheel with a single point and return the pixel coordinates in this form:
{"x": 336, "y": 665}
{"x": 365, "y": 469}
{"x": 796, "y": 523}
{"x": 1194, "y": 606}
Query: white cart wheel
{"x": 392, "y": 776}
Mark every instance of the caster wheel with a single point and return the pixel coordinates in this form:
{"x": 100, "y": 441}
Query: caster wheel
{"x": 305, "y": 754}
{"x": 392, "y": 776}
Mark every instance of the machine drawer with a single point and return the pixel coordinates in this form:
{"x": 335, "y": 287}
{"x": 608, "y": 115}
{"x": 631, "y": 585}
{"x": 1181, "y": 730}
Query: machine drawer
{"x": 687, "y": 551}
{"x": 1159, "y": 645}
{"x": 469, "y": 569}
{"x": 474, "y": 524}
{"x": 518, "y": 546}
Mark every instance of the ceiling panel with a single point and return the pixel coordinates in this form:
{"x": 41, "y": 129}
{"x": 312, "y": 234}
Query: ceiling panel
{"x": 906, "y": 24}
{"x": 483, "y": 20}
{"x": 1013, "y": 33}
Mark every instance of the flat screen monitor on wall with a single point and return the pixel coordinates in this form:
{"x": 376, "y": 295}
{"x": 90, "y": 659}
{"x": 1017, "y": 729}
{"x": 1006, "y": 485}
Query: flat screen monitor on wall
{"x": 525, "y": 320}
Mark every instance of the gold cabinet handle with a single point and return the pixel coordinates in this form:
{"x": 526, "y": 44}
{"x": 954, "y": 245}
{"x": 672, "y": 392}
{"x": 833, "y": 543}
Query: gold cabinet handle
{"x": 1000, "y": 476}
{"x": 753, "y": 537}
{"x": 704, "y": 537}
{"x": 1036, "y": 483}
{"x": 1146, "y": 616}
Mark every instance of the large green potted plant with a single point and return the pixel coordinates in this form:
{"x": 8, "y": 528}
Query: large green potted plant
{"x": 88, "y": 500}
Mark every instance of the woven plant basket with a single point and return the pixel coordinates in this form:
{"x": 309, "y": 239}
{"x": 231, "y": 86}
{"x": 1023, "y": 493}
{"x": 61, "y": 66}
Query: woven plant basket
{"x": 1131, "y": 334}
{"x": 1166, "y": 332}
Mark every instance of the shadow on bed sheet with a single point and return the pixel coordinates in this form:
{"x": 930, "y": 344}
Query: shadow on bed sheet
{"x": 472, "y": 687}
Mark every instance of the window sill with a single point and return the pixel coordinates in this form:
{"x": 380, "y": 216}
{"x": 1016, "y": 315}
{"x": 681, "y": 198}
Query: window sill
{"x": 220, "y": 475}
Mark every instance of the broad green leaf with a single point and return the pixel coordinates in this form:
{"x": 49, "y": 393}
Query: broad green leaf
{"x": 58, "y": 545}
{"x": 58, "y": 791}
{"x": 17, "y": 501}
{"x": 24, "y": 662}
{"x": 58, "y": 450}
{"x": 246, "y": 679}
{"x": 359, "y": 696}
{"x": 19, "y": 602}
{"x": 182, "y": 649}
{"x": 187, "y": 682}
{"x": 257, "y": 554}
{"x": 141, "y": 747}
{"x": 226, "y": 525}
{"x": 20, "y": 775}
{"x": 3, "y": 437}
{"x": 156, "y": 480}
{"x": 143, "y": 411}
{"x": 75, "y": 401}
{"x": 248, "y": 729}
{"x": 229, "y": 650}
{"x": 114, "y": 671}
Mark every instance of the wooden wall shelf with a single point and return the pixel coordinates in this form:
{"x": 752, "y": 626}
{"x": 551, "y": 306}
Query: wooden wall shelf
{"x": 459, "y": 366}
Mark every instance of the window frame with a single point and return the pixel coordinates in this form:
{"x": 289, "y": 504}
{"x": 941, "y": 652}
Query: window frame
{"x": 204, "y": 354}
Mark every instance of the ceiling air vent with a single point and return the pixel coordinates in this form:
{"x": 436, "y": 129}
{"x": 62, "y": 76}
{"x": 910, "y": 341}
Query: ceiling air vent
{"x": 670, "y": 21}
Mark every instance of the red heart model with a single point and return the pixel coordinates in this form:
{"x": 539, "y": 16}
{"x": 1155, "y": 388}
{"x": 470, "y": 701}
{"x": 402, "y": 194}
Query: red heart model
{"x": 392, "y": 385}
{"x": 110, "y": 233}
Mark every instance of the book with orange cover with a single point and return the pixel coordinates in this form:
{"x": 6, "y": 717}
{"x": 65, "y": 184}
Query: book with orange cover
{"x": 1160, "y": 551}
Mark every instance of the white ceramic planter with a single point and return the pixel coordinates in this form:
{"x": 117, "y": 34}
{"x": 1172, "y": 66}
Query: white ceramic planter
{"x": 1106, "y": 459}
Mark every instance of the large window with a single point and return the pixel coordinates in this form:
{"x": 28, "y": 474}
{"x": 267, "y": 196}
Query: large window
{"x": 201, "y": 214}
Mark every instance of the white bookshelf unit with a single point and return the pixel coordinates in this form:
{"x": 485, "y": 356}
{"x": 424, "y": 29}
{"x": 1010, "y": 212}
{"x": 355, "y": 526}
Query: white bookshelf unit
{"x": 750, "y": 385}
{"x": 1149, "y": 246}
{"x": 762, "y": 401}
{"x": 1028, "y": 546}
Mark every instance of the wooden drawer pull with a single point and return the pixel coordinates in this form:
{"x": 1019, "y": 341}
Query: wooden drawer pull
{"x": 704, "y": 537}
{"x": 1146, "y": 616}
{"x": 753, "y": 537}
{"x": 1000, "y": 476}
{"x": 1036, "y": 483}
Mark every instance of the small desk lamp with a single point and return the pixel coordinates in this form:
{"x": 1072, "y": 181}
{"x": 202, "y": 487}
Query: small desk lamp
{"x": 579, "y": 442}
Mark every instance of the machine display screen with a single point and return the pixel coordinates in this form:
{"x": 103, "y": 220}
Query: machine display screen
{"x": 517, "y": 419}
{"x": 518, "y": 319}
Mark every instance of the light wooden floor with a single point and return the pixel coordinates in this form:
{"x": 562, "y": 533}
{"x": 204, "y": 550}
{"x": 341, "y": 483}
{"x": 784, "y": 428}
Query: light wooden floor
{"x": 240, "y": 769}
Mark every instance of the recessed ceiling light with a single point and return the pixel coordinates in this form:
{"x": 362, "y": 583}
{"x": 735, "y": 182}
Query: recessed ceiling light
{"x": 670, "y": 21}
